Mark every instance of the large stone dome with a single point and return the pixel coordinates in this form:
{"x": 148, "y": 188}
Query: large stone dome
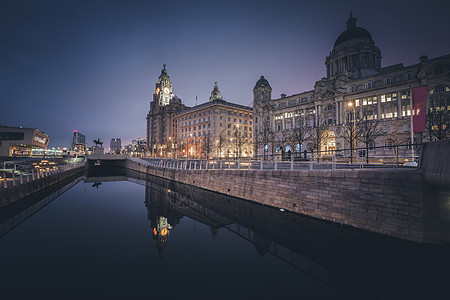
{"x": 352, "y": 32}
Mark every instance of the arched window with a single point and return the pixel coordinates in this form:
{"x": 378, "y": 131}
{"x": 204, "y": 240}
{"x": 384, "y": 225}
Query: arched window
{"x": 408, "y": 76}
{"x": 387, "y": 81}
{"x": 389, "y": 144}
{"x": 369, "y": 84}
{"x": 352, "y": 88}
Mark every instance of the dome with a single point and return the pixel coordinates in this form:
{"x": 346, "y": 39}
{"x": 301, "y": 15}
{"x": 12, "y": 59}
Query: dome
{"x": 262, "y": 82}
{"x": 352, "y": 32}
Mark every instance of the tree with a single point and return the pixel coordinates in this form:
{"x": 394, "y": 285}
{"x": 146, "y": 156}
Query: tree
{"x": 206, "y": 146}
{"x": 221, "y": 142}
{"x": 438, "y": 124}
{"x": 239, "y": 140}
{"x": 300, "y": 134}
{"x": 368, "y": 131}
{"x": 351, "y": 132}
{"x": 319, "y": 134}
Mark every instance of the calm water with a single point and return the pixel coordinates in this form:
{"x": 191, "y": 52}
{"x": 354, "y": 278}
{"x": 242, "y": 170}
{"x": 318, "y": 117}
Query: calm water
{"x": 97, "y": 241}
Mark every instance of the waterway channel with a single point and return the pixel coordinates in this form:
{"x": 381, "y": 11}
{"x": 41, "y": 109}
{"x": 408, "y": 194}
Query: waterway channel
{"x": 126, "y": 235}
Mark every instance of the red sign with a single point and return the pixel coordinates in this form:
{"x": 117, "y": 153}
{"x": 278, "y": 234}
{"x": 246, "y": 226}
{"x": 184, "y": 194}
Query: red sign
{"x": 419, "y": 100}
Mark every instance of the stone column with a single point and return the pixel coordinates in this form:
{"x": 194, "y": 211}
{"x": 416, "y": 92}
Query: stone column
{"x": 378, "y": 107}
{"x": 399, "y": 105}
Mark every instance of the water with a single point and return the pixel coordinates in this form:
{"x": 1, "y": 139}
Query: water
{"x": 96, "y": 241}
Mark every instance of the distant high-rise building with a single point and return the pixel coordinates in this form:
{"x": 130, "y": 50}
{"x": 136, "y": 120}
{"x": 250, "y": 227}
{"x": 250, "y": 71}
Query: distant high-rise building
{"x": 138, "y": 147}
{"x": 115, "y": 145}
{"x": 79, "y": 142}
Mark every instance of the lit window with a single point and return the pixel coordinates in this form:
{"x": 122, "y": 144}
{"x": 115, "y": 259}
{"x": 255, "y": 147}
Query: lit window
{"x": 383, "y": 98}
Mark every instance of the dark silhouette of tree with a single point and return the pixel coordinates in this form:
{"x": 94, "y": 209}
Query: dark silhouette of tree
{"x": 299, "y": 135}
{"x": 368, "y": 131}
{"x": 351, "y": 131}
{"x": 319, "y": 134}
{"x": 438, "y": 124}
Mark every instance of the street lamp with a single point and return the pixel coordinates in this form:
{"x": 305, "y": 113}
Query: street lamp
{"x": 352, "y": 132}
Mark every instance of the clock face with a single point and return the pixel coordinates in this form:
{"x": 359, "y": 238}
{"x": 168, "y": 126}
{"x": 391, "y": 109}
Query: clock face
{"x": 157, "y": 90}
{"x": 166, "y": 90}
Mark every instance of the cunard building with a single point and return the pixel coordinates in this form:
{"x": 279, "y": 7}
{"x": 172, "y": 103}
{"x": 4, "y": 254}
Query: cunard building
{"x": 356, "y": 93}
{"x": 161, "y": 125}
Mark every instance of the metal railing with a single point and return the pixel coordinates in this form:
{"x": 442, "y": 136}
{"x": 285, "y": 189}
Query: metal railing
{"x": 255, "y": 164}
{"x": 13, "y": 173}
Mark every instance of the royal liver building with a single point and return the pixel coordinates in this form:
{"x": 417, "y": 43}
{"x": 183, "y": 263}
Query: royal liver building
{"x": 359, "y": 108}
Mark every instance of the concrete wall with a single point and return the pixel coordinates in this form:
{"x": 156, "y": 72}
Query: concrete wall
{"x": 435, "y": 163}
{"x": 398, "y": 203}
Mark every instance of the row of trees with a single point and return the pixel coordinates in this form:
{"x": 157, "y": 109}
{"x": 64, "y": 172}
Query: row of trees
{"x": 356, "y": 129}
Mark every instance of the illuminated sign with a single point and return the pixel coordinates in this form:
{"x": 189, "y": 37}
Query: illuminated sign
{"x": 40, "y": 139}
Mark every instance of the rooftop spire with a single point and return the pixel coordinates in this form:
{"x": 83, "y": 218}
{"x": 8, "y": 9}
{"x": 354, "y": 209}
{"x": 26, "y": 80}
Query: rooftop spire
{"x": 351, "y": 22}
{"x": 215, "y": 94}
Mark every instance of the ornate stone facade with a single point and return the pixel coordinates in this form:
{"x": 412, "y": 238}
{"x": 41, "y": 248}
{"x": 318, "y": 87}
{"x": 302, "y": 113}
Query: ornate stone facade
{"x": 356, "y": 87}
{"x": 215, "y": 129}
{"x": 161, "y": 125}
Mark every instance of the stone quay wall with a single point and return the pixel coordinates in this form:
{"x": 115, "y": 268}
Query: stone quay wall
{"x": 14, "y": 193}
{"x": 394, "y": 202}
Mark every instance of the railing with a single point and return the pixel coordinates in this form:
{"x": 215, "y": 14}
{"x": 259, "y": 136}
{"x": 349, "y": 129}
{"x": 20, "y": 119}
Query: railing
{"x": 255, "y": 164}
{"x": 13, "y": 173}
{"x": 374, "y": 157}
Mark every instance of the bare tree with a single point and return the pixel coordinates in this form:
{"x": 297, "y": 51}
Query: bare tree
{"x": 438, "y": 124}
{"x": 300, "y": 134}
{"x": 351, "y": 131}
{"x": 206, "y": 146}
{"x": 368, "y": 131}
{"x": 319, "y": 134}
{"x": 221, "y": 142}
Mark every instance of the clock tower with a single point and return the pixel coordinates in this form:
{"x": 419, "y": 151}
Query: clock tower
{"x": 163, "y": 89}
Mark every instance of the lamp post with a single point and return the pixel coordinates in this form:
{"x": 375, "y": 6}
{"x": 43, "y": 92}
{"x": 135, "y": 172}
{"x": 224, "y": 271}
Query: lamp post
{"x": 352, "y": 132}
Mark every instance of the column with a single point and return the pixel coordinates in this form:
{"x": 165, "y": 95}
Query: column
{"x": 399, "y": 105}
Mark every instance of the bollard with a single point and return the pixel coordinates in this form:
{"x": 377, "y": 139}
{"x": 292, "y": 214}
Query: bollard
{"x": 195, "y": 165}
{"x": 21, "y": 178}
{"x": 292, "y": 162}
{"x": 28, "y": 176}
{"x": 14, "y": 178}
{"x": 229, "y": 165}
{"x": 311, "y": 165}
{"x": 206, "y": 165}
{"x": 276, "y": 163}
{"x": 239, "y": 164}
{"x": 221, "y": 164}
{"x": 249, "y": 163}
{"x": 262, "y": 164}
{"x": 333, "y": 166}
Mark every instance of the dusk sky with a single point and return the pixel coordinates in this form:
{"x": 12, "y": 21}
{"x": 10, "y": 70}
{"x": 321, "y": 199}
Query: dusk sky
{"x": 92, "y": 65}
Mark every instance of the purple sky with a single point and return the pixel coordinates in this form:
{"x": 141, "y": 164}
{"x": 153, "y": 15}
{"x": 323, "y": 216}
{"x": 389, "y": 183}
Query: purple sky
{"x": 92, "y": 65}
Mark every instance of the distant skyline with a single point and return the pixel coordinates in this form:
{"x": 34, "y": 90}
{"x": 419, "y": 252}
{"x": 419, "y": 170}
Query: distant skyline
{"x": 92, "y": 65}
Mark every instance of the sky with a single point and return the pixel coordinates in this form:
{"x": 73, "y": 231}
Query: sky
{"x": 92, "y": 65}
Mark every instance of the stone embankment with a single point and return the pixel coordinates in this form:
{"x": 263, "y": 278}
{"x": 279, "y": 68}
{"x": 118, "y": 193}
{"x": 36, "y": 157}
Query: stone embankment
{"x": 394, "y": 202}
{"x": 23, "y": 187}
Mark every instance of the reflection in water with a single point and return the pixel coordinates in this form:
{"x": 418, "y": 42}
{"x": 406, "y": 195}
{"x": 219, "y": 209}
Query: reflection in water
{"x": 356, "y": 264}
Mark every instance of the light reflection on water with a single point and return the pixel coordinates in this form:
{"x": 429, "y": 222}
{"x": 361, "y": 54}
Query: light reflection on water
{"x": 140, "y": 238}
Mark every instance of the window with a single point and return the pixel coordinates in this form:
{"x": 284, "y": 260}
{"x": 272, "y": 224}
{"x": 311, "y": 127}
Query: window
{"x": 330, "y": 107}
{"x": 352, "y": 88}
{"x": 438, "y": 71}
{"x": 409, "y": 76}
{"x": 439, "y": 88}
{"x": 389, "y": 144}
{"x": 369, "y": 85}
{"x": 387, "y": 81}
